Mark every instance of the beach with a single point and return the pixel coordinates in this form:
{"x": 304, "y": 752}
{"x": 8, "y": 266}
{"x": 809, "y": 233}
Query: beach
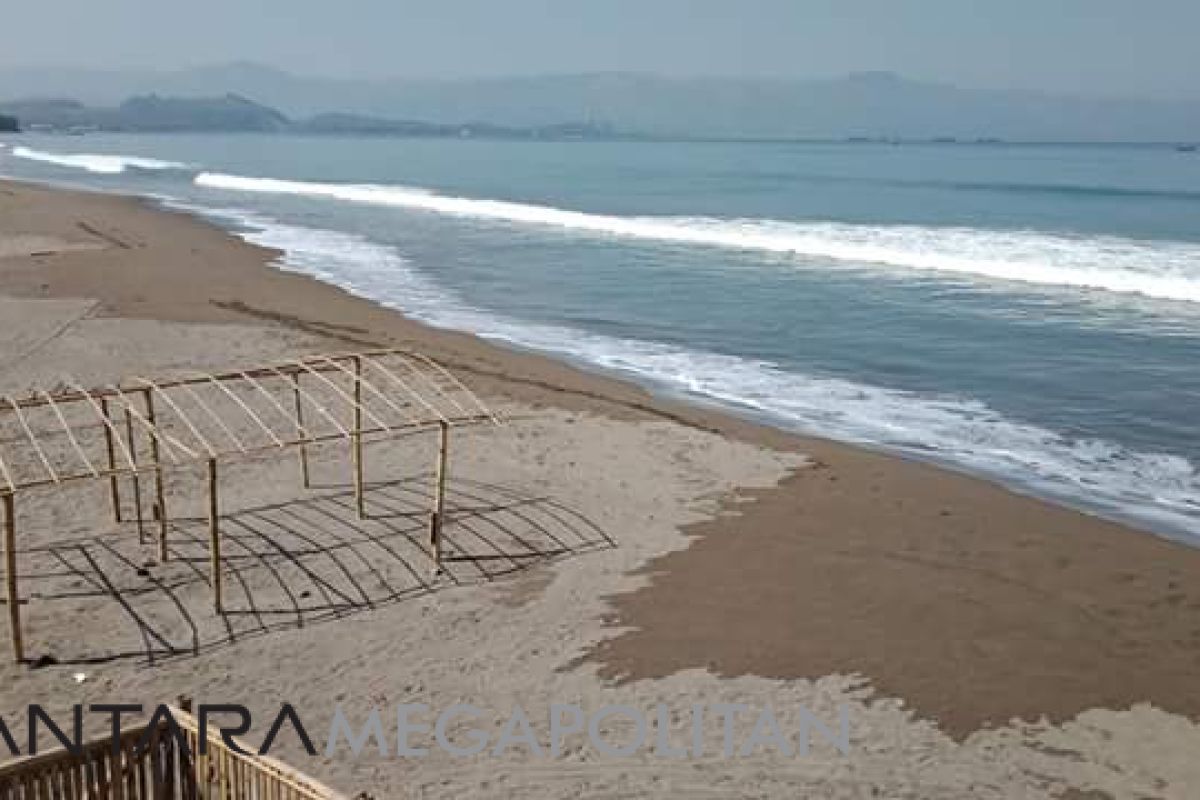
{"x": 986, "y": 644}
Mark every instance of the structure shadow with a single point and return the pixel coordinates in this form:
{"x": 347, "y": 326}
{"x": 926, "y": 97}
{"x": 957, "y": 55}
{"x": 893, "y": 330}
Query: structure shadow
{"x": 288, "y": 565}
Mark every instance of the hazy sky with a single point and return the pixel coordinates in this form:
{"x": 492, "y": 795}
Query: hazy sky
{"x": 1121, "y": 47}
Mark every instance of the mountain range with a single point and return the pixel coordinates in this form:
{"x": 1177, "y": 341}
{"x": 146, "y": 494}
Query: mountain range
{"x": 870, "y": 104}
{"x": 154, "y": 113}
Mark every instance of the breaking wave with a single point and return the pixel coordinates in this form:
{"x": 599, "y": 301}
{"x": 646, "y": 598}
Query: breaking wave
{"x": 100, "y": 163}
{"x": 1162, "y": 490}
{"x": 1157, "y": 269}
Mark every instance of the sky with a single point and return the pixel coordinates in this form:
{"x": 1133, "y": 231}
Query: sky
{"x": 1146, "y": 48}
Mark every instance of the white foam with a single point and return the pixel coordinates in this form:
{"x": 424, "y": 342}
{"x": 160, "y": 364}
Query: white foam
{"x": 1160, "y": 489}
{"x": 1158, "y": 269}
{"x": 101, "y": 163}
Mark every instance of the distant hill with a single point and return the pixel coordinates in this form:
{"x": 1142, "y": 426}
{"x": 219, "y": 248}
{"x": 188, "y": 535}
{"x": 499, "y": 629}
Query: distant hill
{"x": 872, "y": 104}
{"x": 8, "y": 124}
{"x": 55, "y": 111}
{"x": 230, "y": 112}
{"x": 358, "y": 124}
{"x": 157, "y": 114}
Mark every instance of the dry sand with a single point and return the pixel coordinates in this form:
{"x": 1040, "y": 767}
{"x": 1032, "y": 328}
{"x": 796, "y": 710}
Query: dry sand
{"x": 609, "y": 548}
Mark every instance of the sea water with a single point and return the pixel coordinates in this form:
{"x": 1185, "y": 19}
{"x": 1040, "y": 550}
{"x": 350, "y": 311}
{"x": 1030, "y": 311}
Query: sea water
{"x": 1030, "y": 313}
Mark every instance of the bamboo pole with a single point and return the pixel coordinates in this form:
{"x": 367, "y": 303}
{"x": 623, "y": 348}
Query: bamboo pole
{"x": 396, "y": 379}
{"x": 137, "y": 481}
{"x": 7, "y": 475}
{"x": 160, "y": 504}
{"x": 114, "y": 485}
{"x": 248, "y": 410}
{"x": 223, "y": 776}
{"x": 349, "y": 398}
{"x": 275, "y": 404}
{"x": 214, "y": 535}
{"x": 396, "y": 394}
{"x": 66, "y": 426}
{"x": 10, "y": 577}
{"x": 33, "y": 439}
{"x": 357, "y": 441}
{"x": 214, "y": 416}
{"x": 202, "y": 766}
{"x": 152, "y": 430}
{"x": 318, "y": 363}
{"x": 149, "y": 387}
{"x": 373, "y": 389}
{"x": 439, "y": 495}
{"x": 325, "y": 412}
{"x": 325, "y": 438}
{"x": 300, "y": 427}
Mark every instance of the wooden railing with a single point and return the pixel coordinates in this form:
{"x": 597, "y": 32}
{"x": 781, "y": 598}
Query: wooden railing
{"x": 102, "y": 770}
{"x": 152, "y": 764}
{"x": 225, "y": 774}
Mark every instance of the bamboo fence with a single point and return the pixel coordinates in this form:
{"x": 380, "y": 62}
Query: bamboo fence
{"x": 151, "y": 763}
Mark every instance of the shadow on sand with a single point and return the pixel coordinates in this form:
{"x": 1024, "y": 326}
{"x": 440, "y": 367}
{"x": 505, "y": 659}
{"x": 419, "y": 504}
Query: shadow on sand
{"x": 292, "y": 565}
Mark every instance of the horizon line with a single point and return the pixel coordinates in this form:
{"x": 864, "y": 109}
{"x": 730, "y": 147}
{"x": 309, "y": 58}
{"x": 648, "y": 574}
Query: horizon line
{"x": 882, "y": 74}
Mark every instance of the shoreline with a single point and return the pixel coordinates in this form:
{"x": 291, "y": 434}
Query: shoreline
{"x": 594, "y": 382}
{"x": 972, "y": 602}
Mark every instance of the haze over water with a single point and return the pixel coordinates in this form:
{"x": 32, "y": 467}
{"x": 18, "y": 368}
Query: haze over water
{"x": 1029, "y": 313}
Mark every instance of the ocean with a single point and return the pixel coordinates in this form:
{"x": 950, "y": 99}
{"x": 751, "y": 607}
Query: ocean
{"x": 1027, "y": 313}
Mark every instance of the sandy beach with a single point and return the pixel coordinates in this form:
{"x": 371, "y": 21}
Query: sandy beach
{"x": 986, "y": 644}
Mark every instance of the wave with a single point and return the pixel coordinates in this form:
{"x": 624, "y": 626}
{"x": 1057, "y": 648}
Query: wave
{"x": 1064, "y": 189}
{"x": 1157, "y": 269}
{"x": 1158, "y": 489}
{"x": 100, "y": 163}
{"x": 1086, "y": 190}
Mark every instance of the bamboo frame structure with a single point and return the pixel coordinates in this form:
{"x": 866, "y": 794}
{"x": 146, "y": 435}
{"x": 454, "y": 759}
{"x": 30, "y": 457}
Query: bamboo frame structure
{"x": 205, "y": 419}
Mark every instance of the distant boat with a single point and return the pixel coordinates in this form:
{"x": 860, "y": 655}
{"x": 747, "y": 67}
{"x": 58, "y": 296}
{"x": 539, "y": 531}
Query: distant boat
{"x": 1186, "y": 148}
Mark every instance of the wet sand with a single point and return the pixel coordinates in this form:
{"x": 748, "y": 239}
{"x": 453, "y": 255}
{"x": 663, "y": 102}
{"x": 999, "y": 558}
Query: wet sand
{"x": 973, "y": 608}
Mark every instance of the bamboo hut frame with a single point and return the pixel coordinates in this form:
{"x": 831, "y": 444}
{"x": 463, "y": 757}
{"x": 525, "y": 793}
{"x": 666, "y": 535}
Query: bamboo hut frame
{"x": 350, "y": 398}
